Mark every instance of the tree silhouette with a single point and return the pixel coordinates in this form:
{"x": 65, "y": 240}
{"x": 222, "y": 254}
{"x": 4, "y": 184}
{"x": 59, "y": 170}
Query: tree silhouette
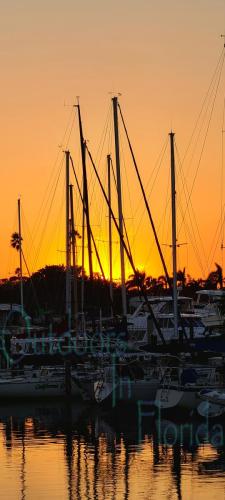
{"x": 136, "y": 280}
{"x": 16, "y": 240}
{"x": 181, "y": 278}
{"x": 215, "y": 278}
{"x": 162, "y": 282}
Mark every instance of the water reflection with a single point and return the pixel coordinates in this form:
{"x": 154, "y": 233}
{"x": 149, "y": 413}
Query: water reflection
{"x": 74, "y": 451}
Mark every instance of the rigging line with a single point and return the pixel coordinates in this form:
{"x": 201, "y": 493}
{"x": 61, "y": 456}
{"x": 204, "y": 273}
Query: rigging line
{"x": 101, "y": 219}
{"x": 110, "y": 130}
{"x": 114, "y": 175}
{"x": 9, "y": 254}
{"x": 201, "y": 125}
{"x": 57, "y": 223}
{"x": 42, "y": 208}
{"x": 203, "y": 104}
{"x": 85, "y": 209}
{"x": 155, "y": 172}
{"x": 214, "y": 246}
{"x": 129, "y": 256}
{"x": 132, "y": 213}
{"x": 198, "y": 138}
{"x": 223, "y": 215}
{"x": 99, "y": 153}
{"x": 145, "y": 200}
{"x": 124, "y": 224}
{"x": 193, "y": 244}
{"x": 105, "y": 169}
{"x": 162, "y": 222}
{"x": 158, "y": 228}
{"x": 222, "y": 176}
{"x": 204, "y": 142}
{"x": 218, "y": 230}
{"x": 193, "y": 217}
{"x": 221, "y": 230}
{"x": 104, "y": 132}
{"x": 192, "y": 236}
{"x": 28, "y": 242}
{"x": 152, "y": 187}
{"x": 47, "y": 217}
{"x": 168, "y": 197}
{"x": 32, "y": 283}
{"x": 185, "y": 234}
{"x": 50, "y": 199}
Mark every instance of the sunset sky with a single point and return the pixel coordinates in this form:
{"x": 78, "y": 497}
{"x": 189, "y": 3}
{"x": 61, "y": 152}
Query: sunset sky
{"x": 161, "y": 56}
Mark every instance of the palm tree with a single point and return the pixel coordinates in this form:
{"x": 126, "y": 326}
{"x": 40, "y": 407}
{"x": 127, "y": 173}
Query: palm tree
{"x": 150, "y": 282}
{"x": 181, "y": 277}
{"x": 219, "y": 275}
{"x": 215, "y": 278}
{"x": 136, "y": 280}
{"x": 162, "y": 282}
{"x": 16, "y": 241}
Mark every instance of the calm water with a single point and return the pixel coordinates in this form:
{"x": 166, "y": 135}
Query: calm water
{"x": 60, "y": 451}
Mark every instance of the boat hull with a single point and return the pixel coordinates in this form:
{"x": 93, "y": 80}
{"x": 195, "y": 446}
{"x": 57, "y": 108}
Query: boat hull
{"x": 126, "y": 391}
{"x": 183, "y": 398}
{"x": 22, "y": 388}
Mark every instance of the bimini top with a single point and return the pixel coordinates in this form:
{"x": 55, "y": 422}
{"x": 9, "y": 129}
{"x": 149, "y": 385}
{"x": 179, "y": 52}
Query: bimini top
{"x": 135, "y": 301}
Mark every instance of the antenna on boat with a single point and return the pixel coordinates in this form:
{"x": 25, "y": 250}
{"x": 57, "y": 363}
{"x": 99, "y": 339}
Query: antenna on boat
{"x": 171, "y": 246}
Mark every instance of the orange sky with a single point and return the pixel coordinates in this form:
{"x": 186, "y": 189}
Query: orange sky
{"x": 161, "y": 56}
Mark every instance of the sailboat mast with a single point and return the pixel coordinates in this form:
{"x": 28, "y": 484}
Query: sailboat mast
{"x": 174, "y": 233}
{"x": 73, "y": 238}
{"x": 120, "y": 207}
{"x": 68, "y": 266}
{"x": 85, "y": 192}
{"x": 110, "y": 232}
{"x": 82, "y": 264}
{"x": 20, "y": 255}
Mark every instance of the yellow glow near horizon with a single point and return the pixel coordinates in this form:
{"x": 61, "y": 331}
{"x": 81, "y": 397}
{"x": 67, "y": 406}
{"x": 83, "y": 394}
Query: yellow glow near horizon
{"x": 161, "y": 56}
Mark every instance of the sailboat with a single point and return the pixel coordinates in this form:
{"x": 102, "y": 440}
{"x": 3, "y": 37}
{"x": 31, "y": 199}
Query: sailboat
{"x": 180, "y": 386}
{"x": 44, "y": 382}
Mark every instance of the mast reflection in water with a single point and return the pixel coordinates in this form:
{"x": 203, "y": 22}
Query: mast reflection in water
{"x": 72, "y": 451}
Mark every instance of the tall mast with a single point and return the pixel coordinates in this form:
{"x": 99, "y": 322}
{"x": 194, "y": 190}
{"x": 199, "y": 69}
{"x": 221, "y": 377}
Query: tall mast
{"x": 110, "y": 232}
{"x": 174, "y": 234}
{"x": 85, "y": 192}
{"x": 68, "y": 260}
{"x": 73, "y": 239}
{"x": 82, "y": 264}
{"x": 120, "y": 207}
{"x": 20, "y": 255}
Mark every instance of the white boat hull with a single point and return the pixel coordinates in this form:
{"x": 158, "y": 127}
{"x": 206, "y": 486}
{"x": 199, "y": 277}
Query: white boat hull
{"x": 187, "y": 399}
{"x": 126, "y": 390}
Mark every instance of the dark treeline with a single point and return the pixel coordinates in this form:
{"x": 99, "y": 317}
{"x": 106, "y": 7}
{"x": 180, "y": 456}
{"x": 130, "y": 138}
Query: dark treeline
{"x": 44, "y": 291}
